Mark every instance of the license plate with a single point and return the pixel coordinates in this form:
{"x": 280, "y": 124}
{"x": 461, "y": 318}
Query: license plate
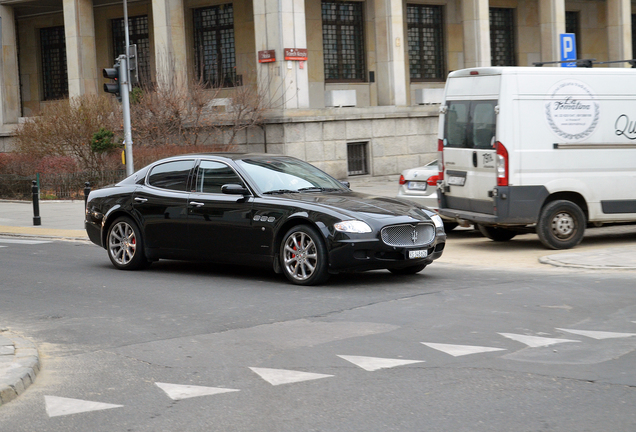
{"x": 456, "y": 181}
{"x": 415, "y": 185}
{"x": 418, "y": 254}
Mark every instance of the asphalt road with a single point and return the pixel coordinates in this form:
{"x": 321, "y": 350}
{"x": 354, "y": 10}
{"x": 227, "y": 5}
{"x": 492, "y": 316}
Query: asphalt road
{"x": 463, "y": 346}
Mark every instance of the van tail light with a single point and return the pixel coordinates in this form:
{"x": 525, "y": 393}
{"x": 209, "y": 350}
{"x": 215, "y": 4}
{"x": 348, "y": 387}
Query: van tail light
{"x": 402, "y": 180}
{"x": 432, "y": 180}
{"x": 502, "y": 165}
{"x": 440, "y": 159}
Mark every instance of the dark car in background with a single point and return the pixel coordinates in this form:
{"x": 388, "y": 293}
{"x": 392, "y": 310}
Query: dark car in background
{"x": 252, "y": 209}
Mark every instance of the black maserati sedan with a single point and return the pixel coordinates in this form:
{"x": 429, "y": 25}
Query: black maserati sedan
{"x": 259, "y": 209}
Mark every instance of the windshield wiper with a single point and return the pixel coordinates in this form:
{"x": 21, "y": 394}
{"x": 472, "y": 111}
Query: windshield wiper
{"x": 280, "y": 191}
{"x": 318, "y": 189}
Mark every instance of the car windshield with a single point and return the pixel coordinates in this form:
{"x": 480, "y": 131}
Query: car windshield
{"x": 288, "y": 175}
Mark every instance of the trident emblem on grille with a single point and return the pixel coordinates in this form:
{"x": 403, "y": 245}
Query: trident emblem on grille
{"x": 414, "y": 236}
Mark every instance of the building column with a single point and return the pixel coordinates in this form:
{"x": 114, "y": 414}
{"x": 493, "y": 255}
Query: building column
{"x": 81, "y": 56}
{"x": 552, "y": 23}
{"x": 619, "y": 29}
{"x": 280, "y": 24}
{"x": 9, "y": 77}
{"x": 168, "y": 18}
{"x": 391, "y": 61}
{"x": 476, "y": 23}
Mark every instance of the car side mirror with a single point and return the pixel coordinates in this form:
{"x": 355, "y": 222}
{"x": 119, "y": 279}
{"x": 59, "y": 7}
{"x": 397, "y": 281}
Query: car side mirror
{"x": 234, "y": 189}
{"x": 346, "y": 184}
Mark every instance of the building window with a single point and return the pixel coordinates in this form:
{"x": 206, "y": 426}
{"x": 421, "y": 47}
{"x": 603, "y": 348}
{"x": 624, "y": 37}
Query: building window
{"x": 54, "y": 74}
{"x": 572, "y": 26}
{"x": 343, "y": 41}
{"x": 137, "y": 35}
{"x": 502, "y": 37}
{"x": 426, "y": 42}
{"x": 634, "y": 36}
{"x": 357, "y": 158}
{"x": 215, "y": 58}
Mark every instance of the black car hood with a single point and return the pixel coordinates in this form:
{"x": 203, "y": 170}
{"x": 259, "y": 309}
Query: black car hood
{"x": 374, "y": 206}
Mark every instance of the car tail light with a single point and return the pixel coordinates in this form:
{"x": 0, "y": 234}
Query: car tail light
{"x": 432, "y": 180}
{"x": 402, "y": 180}
{"x": 502, "y": 165}
{"x": 440, "y": 159}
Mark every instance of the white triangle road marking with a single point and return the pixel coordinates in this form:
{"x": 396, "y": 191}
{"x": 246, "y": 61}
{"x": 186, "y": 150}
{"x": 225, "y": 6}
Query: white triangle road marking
{"x": 460, "y": 350}
{"x": 535, "y": 341}
{"x": 598, "y": 334}
{"x": 282, "y": 376}
{"x": 60, "y": 406}
{"x": 179, "y": 391}
{"x": 374, "y": 363}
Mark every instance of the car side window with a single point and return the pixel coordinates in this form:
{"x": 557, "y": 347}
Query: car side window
{"x": 171, "y": 175}
{"x": 212, "y": 175}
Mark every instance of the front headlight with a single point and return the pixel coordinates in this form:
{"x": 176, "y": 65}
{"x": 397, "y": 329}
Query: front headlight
{"x": 352, "y": 226}
{"x": 437, "y": 220}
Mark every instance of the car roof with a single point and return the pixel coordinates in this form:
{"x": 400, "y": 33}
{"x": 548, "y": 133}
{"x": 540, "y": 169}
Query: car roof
{"x": 230, "y": 156}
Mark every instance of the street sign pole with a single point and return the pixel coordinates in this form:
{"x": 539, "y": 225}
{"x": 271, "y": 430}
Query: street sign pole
{"x": 125, "y": 99}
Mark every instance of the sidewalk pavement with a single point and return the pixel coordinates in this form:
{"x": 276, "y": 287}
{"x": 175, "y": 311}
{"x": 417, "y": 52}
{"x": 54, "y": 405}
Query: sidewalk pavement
{"x": 64, "y": 220}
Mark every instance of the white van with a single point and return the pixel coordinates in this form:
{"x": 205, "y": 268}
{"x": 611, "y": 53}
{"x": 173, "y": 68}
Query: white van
{"x": 551, "y": 148}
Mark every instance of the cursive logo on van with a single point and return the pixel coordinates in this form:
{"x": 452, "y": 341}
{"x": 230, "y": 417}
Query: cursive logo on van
{"x": 625, "y": 127}
{"x": 571, "y": 111}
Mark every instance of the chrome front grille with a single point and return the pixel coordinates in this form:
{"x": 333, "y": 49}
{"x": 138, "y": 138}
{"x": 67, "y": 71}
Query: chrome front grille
{"x": 408, "y": 235}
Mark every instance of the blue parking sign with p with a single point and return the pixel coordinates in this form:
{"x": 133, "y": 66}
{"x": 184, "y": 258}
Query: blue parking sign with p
{"x": 568, "y": 49}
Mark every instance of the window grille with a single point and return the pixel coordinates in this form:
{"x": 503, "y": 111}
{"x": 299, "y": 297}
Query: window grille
{"x": 54, "y": 72}
{"x": 343, "y": 41}
{"x": 502, "y": 37}
{"x": 357, "y": 160}
{"x": 426, "y": 42}
{"x": 572, "y": 26}
{"x": 137, "y": 35}
{"x": 215, "y": 58}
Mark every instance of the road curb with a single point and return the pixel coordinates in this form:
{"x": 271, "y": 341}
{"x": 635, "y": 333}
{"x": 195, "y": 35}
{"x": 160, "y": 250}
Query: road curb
{"x": 557, "y": 263}
{"x": 19, "y": 365}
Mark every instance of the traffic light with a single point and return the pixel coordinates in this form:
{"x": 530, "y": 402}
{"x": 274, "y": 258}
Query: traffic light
{"x": 113, "y": 73}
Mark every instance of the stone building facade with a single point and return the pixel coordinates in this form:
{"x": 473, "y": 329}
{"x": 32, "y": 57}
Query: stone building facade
{"x": 362, "y": 96}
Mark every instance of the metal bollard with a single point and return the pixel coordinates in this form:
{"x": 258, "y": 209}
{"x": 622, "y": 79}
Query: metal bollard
{"x": 36, "y": 204}
{"x": 87, "y": 190}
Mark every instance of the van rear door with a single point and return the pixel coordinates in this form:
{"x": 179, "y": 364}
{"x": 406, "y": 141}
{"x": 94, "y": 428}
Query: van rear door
{"x": 470, "y": 160}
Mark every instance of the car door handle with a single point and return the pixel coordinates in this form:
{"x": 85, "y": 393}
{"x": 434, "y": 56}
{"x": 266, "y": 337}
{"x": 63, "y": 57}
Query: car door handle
{"x": 140, "y": 200}
{"x": 475, "y": 159}
{"x": 196, "y": 204}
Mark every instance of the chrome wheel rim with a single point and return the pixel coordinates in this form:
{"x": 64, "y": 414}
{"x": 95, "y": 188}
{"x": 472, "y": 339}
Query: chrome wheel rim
{"x": 122, "y": 243}
{"x": 300, "y": 256}
{"x": 563, "y": 225}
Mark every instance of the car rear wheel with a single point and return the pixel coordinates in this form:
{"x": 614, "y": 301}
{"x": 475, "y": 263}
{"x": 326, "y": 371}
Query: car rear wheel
{"x": 561, "y": 225}
{"x": 449, "y": 226}
{"x": 303, "y": 256}
{"x": 497, "y": 234}
{"x": 125, "y": 245}
{"x": 408, "y": 270}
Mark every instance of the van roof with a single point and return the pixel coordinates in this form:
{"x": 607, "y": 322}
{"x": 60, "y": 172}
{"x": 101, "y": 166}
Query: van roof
{"x": 524, "y": 70}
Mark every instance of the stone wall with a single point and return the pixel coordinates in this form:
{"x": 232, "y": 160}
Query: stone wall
{"x": 398, "y": 138}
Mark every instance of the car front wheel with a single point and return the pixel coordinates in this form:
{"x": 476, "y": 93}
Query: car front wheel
{"x": 125, "y": 245}
{"x": 561, "y": 225}
{"x": 303, "y": 256}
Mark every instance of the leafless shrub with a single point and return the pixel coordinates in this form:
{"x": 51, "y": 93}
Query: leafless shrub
{"x": 65, "y": 128}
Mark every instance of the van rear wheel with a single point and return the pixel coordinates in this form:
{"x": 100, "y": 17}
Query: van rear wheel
{"x": 497, "y": 234}
{"x": 561, "y": 225}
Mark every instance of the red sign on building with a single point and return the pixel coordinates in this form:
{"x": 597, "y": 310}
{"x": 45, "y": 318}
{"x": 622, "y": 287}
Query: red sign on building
{"x": 267, "y": 56}
{"x": 296, "y": 54}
